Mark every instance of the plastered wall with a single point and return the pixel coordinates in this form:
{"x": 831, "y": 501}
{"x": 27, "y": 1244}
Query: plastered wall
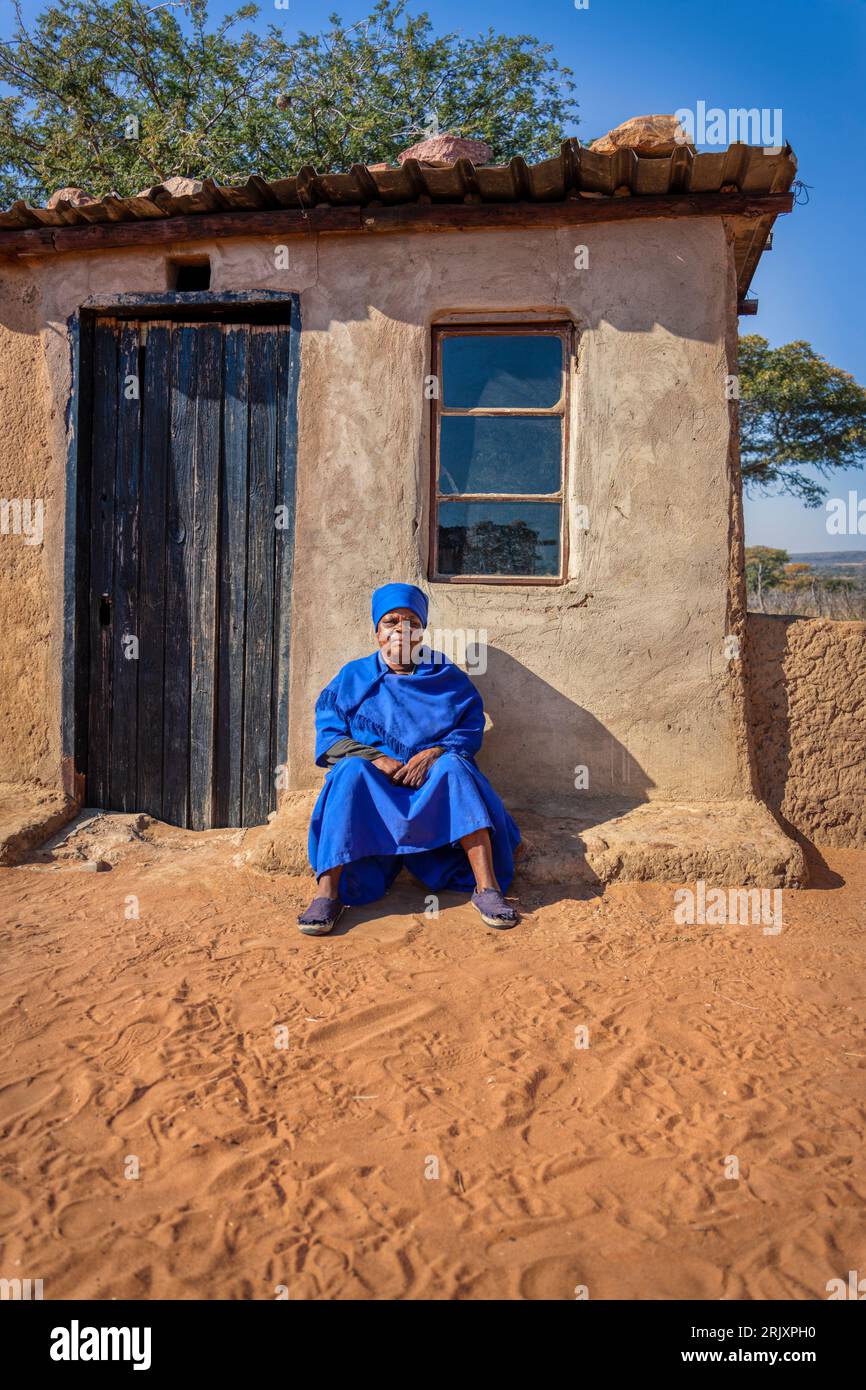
{"x": 623, "y": 669}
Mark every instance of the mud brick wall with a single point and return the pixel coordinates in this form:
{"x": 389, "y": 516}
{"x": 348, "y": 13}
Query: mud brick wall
{"x": 807, "y": 702}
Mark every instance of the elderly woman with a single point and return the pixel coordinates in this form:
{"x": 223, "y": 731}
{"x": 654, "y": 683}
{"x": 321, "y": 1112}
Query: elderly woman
{"x": 399, "y": 731}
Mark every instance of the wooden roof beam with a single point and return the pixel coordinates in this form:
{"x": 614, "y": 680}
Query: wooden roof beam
{"x": 410, "y": 217}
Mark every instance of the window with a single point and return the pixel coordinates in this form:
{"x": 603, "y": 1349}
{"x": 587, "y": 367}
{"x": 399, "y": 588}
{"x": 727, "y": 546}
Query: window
{"x": 498, "y": 453}
{"x": 192, "y": 273}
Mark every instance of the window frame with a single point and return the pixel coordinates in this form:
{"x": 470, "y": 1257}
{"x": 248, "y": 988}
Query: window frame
{"x": 564, "y": 330}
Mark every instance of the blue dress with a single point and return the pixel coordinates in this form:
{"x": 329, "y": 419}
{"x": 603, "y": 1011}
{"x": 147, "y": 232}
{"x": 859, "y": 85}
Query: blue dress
{"x": 372, "y": 825}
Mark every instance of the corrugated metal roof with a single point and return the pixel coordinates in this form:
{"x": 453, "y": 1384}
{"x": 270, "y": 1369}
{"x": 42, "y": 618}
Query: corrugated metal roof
{"x": 575, "y": 172}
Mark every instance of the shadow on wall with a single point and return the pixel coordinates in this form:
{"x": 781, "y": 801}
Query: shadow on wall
{"x": 768, "y": 706}
{"x": 540, "y": 740}
{"x": 785, "y": 780}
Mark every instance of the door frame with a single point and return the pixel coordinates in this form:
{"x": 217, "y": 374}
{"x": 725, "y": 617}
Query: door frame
{"x": 223, "y": 306}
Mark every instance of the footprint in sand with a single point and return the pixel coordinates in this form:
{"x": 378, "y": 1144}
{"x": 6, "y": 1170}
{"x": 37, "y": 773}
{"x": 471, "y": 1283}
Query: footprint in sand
{"x": 554, "y": 1277}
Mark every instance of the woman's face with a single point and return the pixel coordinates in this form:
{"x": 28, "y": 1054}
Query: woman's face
{"x": 399, "y": 634}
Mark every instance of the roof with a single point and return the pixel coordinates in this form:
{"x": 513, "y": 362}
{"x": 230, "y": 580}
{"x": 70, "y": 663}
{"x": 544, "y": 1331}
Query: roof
{"x": 746, "y": 182}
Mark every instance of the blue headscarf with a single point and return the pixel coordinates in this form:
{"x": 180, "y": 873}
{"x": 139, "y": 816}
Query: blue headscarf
{"x": 399, "y": 596}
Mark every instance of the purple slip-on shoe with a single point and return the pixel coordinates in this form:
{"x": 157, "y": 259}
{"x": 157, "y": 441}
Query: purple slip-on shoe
{"x": 493, "y": 908}
{"x": 321, "y": 916}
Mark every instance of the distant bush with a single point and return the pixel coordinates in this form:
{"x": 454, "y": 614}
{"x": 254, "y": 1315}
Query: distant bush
{"x": 777, "y": 584}
{"x": 822, "y": 601}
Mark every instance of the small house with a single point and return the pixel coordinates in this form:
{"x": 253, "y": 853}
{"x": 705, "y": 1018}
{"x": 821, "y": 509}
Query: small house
{"x": 241, "y": 408}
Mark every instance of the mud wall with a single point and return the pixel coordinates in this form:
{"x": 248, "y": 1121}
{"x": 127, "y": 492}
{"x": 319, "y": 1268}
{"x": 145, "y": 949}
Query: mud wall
{"x": 807, "y": 703}
{"x": 31, "y": 480}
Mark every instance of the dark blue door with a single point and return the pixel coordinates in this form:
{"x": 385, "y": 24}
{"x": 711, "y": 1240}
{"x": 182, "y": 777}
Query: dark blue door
{"x": 190, "y": 562}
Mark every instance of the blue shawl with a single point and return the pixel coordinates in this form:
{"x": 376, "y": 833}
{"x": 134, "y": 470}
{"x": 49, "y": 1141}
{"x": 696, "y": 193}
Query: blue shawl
{"x": 434, "y": 705}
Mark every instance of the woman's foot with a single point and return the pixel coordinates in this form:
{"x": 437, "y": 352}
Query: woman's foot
{"x": 321, "y": 916}
{"x": 493, "y": 908}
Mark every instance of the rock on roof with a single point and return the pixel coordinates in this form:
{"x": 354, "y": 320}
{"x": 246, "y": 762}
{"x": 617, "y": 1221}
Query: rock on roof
{"x": 646, "y": 135}
{"x": 439, "y": 151}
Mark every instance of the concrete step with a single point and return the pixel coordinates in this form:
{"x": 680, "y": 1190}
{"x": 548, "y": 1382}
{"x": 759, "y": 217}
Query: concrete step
{"x": 725, "y": 843}
{"x": 29, "y": 815}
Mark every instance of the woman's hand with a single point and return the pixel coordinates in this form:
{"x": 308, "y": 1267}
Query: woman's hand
{"x": 414, "y": 772}
{"x": 389, "y": 766}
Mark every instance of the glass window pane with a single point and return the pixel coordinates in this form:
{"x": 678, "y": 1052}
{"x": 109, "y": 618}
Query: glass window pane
{"x": 501, "y": 369}
{"x": 499, "y": 538}
{"x": 500, "y": 453}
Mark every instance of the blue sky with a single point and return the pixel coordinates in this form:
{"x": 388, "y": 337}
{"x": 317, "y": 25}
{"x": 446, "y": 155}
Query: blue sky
{"x": 630, "y": 57}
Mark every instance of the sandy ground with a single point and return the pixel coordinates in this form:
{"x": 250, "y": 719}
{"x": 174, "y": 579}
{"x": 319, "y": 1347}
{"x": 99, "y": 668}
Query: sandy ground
{"x": 416, "y": 1046}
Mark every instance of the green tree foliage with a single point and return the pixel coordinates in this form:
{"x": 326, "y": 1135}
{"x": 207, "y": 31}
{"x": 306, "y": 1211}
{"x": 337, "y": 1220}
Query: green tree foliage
{"x": 224, "y": 101}
{"x": 777, "y": 585}
{"x": 765, "y": 568}
{"x": 796, "y": 411}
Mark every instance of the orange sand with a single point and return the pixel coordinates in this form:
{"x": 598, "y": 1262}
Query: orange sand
{"x": 411, "y": 1040}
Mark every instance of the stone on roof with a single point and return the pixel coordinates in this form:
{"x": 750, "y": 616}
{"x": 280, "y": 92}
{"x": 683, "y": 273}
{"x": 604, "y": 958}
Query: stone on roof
{"x": 178, "y": 186}
{"x": 646, "y": 135}
{"x": 440, "y": 151}
{"x": 78, "y": 197}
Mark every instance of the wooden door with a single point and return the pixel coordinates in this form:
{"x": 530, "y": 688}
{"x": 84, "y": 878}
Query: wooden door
{"x": 190, "y": 559}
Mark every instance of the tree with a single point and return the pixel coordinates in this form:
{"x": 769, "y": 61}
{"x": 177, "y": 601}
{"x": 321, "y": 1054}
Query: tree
{"x": 798, "y": 576}
{"x": 205, "y": 100}
{"x": 796, "y": 411}
{"x": 765, "y": 569}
